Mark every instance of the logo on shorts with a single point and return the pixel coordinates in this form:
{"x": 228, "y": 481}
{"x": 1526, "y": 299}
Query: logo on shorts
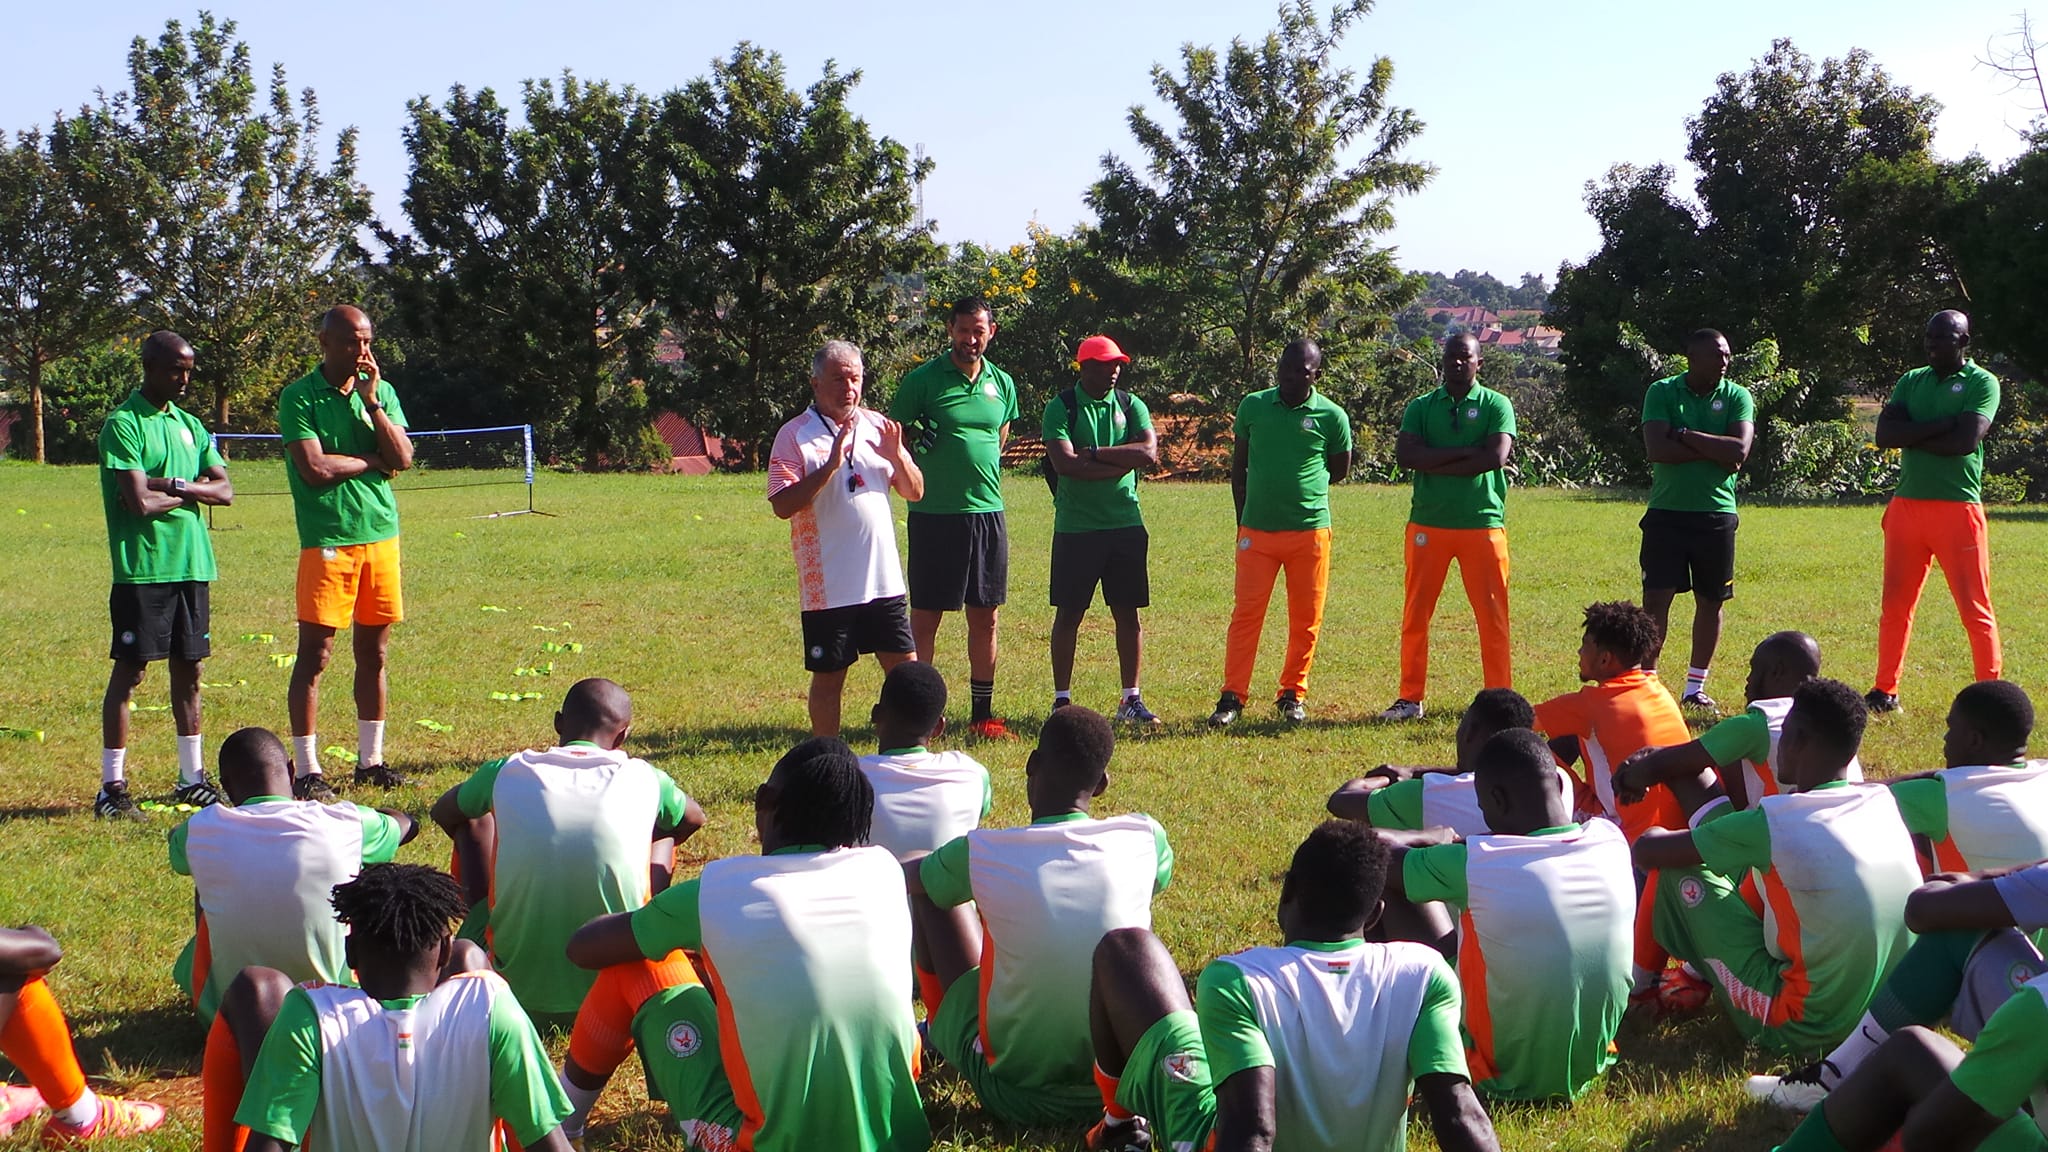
{"x": 127, "y": 637}
{"x": 684, "y": 1040}
{"x": 1308, "y": 423}
{"x": 817, "y": 652}
{"x": 1244, "y": 543}
{"x": 328, "y": 553}
{"x": 988, "y": 389}
{"x": 1472, "y": 413}
{"x": 2021, "y": 973}
{"x": 1422, "y": 539}
{"x": 1180, "y": 1066}
{"x": 1692, "y": 891}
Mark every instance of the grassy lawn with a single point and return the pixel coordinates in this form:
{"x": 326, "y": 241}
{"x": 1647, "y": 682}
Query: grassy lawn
{"x": 682, "y": 590}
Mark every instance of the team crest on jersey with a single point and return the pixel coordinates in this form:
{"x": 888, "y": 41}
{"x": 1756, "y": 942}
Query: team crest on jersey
{"x": 1472, "y": 413}
{"x": 1956, "y": 387}
{"x": 988, "y": 389}
{"x": 1180, "y": 1066}
{"x": 1718, "y": 405}
{"x": 187, "y": 434}
{"x": 1308, "y": 423}
{"x": 1118, "y": 417}
{"x": 1692, "y": 891}
{"x": 684, "y": 1040}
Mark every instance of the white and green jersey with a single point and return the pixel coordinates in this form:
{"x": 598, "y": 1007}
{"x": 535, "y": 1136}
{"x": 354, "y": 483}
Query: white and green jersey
{"x": 1437, "y": 800}
{"x": 1047, "y": 893}
{"x": 263, "y": 872}
{"x": 1547, "y": 934}
{"x": 924, "y": 799}
{"x": 808, "y": 954}
{"x": 1981, "y": 817}
{"x": 2007, "y": 1067}
{"x": 1346, "y": 1028}
{"x": 1835, "y": 865}
{"x": 341, "y": 1071}
{"x": 574, "y": 825}
{"x": 1749, "y": 739}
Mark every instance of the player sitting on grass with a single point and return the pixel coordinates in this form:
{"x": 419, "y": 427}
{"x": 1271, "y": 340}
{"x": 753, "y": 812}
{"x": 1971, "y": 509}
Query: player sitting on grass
{"x": 1401, "y": 798}
{"x": 1014, "y": 1017}
{"x": 35, "y": 1039}
{"x": 810, "y": 1045}
{"x": 1835, "y": 864}
{"x": 263, "y": 872}
{"x": 1317, "y": 1044}
{"x": 1988, "y": 807}
{"x": 430, "y": 1054}
{"x": 922, "y": 798}
{"x": 1548, "y": 909}
{"x": 573, "y": 826}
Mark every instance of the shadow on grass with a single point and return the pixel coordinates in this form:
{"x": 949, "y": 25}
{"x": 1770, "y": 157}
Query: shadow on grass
{"x": 2021, "y": 515}
{"x": 164, "y": 1041}
{"x": 721, "y": 740}
{"x": 38, "y": 811}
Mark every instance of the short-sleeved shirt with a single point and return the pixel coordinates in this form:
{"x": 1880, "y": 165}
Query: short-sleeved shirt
{"x": 1348, "y": 1026}
{"x": 360, "y": 509}
{"x": 845, "y": 540}
{"x": 2025, "y": 893}
{"x": 1980, "y": 817}
{"x": 1446, "y": 421}
{"x": 1093, "y": 505}
{"x": 1928, "y": 395}
{"x": 1613, "y": 720}
{"x": 172, "y": 547}
{"x": 1437, "y": 800}
{"x": 467, "y": 1047}
{"x": 925, "y": 799}
{"x": 955, "y": 426}
{"x": 2008, "y": 1065}
{"x": 1696, "y": 485}
{"x": 1287, "y": 479}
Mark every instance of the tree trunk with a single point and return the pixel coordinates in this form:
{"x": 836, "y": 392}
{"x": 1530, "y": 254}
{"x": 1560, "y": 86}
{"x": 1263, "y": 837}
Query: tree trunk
{"x": 220, "y": 408}
{"x": 35, "y": 411}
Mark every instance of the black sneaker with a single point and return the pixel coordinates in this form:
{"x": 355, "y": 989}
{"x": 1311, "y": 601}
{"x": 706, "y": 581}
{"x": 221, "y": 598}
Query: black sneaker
{"x": 1059, "y": 702}
{"x": 114, "y": 802}
{"x": 1881, "y": 703}
{"x": 1700, "y": 702}
{"x": 381, "y": 775}
{"x": 1228, "y": 709}
{"x": 199, "y": 793}
{"x": 1132, "y": 1135}
{"x": 1290, "y": 708}
{"x": 314, "y": 786}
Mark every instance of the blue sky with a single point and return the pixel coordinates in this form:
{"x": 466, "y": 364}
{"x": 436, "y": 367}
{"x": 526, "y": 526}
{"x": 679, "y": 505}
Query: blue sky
{"x": 1017, "y": 102}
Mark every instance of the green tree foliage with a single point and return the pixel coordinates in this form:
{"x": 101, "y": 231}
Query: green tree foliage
{"x": 1043, "y": 309}
{"x": 2002, "y": 246}
{"x": 83, "y": 387}
{"x": 773, "y": 221}
{"x": 510, "y": 299}
{"x": 60, "y": 285}
{"x": 237, "y": 236}
{"x": 1244, "y": 225}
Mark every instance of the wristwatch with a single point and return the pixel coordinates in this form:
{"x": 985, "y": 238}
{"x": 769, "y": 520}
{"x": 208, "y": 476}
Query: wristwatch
{"x": 371, "y": 406}
{"x": 1091, "y": 454}
{"x": 177, "y": 486}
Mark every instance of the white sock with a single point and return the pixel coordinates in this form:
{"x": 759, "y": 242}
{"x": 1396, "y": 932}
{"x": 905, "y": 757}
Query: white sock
{"x": 82, "y": 1113}
{"x": 1063, "y": 694}
{"x": 191, "y": 758}
{"x": 581, "y": 1100}
{"x": 1695, "y": 681}
{"x": 306, "y": 755}
{"x": 1852, "y": 1051}
{"x": 369, "y": 742}
{"x": 113, "y": 765}
{"x": 1131, "y": 693}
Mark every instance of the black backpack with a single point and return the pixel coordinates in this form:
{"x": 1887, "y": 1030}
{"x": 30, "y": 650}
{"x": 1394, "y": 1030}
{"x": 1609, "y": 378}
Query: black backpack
{"x": 1073, "y": 403}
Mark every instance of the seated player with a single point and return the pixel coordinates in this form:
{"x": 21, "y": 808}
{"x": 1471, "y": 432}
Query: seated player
{"x": 810, "y": 1044}
{"x": 1014, "y": 1017}
{"x": 1976, "y": 945}
{"x": 1988, "y": 808}
{"x": 263, "y": 872}
{"x": 1314, "y": 1045}
{"x": 1400, "y": 798}
{"x": 1835, "y": 866}
{"x": 922, "y": 798}
{"x": 1920, "y": 1093}
{"x": 573, "y": 826}
{"x": 1548, "y": 913}
{"x": 37, "y": 1041}
{"x": 432, "y": 1053}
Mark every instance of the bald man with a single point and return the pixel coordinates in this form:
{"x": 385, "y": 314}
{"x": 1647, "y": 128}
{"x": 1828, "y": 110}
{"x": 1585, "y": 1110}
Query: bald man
{"x": 344, "y": 436}
{"x": 157, "y": 466}
{"x": 1937, "y": 417}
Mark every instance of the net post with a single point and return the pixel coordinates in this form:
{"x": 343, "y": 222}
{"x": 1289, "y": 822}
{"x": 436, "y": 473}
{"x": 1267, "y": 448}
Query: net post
{"x": 526, "y": 432}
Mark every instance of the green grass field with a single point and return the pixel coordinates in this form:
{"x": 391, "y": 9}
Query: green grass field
{"x": 682, "y": 590}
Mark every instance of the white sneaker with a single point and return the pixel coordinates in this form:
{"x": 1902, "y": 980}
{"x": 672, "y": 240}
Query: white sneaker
{"x": 1402, "y": 710}
{"x": 1798, "y": 1091}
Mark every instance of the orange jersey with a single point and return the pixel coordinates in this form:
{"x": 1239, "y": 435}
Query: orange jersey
{"x": 1612, "y": 721}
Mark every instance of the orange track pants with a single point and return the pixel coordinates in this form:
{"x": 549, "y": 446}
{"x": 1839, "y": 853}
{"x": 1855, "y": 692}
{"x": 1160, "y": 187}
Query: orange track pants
{"x": 1261, "y": 556}
{"x": 1482, "y": 557}
{"x": 602, "y": 1037}
{"x": 1916, "y": 534}
{"x": 38, "y": 1041}
{"x": 220, "y": 1085}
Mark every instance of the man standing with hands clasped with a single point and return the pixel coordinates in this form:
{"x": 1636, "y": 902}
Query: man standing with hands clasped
{"x": 344, "y": 438}
{"x": 830, "y": 474}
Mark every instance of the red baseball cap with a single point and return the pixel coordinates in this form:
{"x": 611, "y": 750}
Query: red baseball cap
{"x": 1100, "y": 348}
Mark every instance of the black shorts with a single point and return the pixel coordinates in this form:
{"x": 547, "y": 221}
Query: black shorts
{"x": 1690, "y": 552}
{"x": 1114, "y": 557}
{"x": 160, "y": 621}
{"x": 836, "y": 638}
{"x": 958, "y": 559}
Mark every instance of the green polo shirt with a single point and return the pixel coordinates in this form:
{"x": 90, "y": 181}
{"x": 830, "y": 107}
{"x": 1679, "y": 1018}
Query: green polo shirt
{"x": 961, "y": 450}
{"x": 172, "y": 547}
{"x": 360, "y": 509}
{"x": 1287, "y": 481}
{"x": 1696, "y": 485}
{"x": 1444, "y": 421}
{"x": 1093, "y": 505}
{"x": 1928, "y": 395}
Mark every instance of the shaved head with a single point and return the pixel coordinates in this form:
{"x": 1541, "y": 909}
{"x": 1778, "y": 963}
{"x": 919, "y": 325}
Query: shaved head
{"x": 253, "y": 762}
{"x": 1949, "y": 320}
{"x": 163, "y": 346}
{"x": 1793, "y": 651}
{"x": 596, "y": 710}
{"x": 342, "y": 318}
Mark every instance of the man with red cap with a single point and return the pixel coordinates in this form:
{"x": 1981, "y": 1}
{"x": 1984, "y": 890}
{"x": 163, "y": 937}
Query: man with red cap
{"x": 1098, "y": 437}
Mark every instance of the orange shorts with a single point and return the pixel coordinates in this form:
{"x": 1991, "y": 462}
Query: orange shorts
{"x": 350, "y": 583}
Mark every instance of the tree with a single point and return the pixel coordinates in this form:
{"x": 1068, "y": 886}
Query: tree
{"x": 237, "y": 237}
{"x": 1246, "y": 226}
{"x": 2003, "y": 251}
{"x": 776, "y": 222}
{"x": 60, "y": 283}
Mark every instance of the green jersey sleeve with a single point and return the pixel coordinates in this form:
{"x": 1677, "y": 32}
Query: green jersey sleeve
{"x": 209, "y": 454}
{"x": 388, "y": 397}
{"x": 1656, "y": 404}
{"x": 1500, "y": 415}
{"x": 1735, "y": 842}
{"x": 1743, "y": 410}
{"x": 2009, "y": 1062}
{"x": 1010, "y": 410}
{"x": 473, "y": 796}
{"x": 674, "y": 803}
{"x": 121, "y": 443}
{"x": 1436, "y": 1044}
{"x": 1436, "y": 873}
{"x": 1240, "y": 423}
{"x": 524, "y": 1091}
{"x": 1231, "y": 1035}
{"x": 180, "y": 863}
{"x": 988, "y": 794}
{"x": 284, "y": 1084}
{"x": 1981, "y": 396}
{"x": 1337, "y": 428}
{"x": 1415, "y": 416}
{"x": 1056, "y": 426}
{"x": 1746, "y": 736}
{"x": 380, "y": 836}
{"x": 1924, "y": 805}
{"x": 1164, "y": 873}
{"x": 945, "y": 875}
{"x": 1397, "y": 807}
{"x": 669, "y": 921}
{"x": 295, "y": 416}
{"x": 1141, "y": 416}
{"x": 907, "y": 403}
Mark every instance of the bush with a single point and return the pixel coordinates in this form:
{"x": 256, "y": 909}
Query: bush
{"x": 78, "y": 392}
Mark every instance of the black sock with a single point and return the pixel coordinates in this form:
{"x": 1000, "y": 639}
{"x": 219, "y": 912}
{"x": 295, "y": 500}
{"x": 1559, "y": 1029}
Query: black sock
{"x": 984, "y": 693}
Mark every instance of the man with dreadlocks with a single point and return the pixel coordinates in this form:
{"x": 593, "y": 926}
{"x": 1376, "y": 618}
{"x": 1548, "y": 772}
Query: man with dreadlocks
{"x": 433, "y": 1052}
{"x": 783, "y": 1060}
